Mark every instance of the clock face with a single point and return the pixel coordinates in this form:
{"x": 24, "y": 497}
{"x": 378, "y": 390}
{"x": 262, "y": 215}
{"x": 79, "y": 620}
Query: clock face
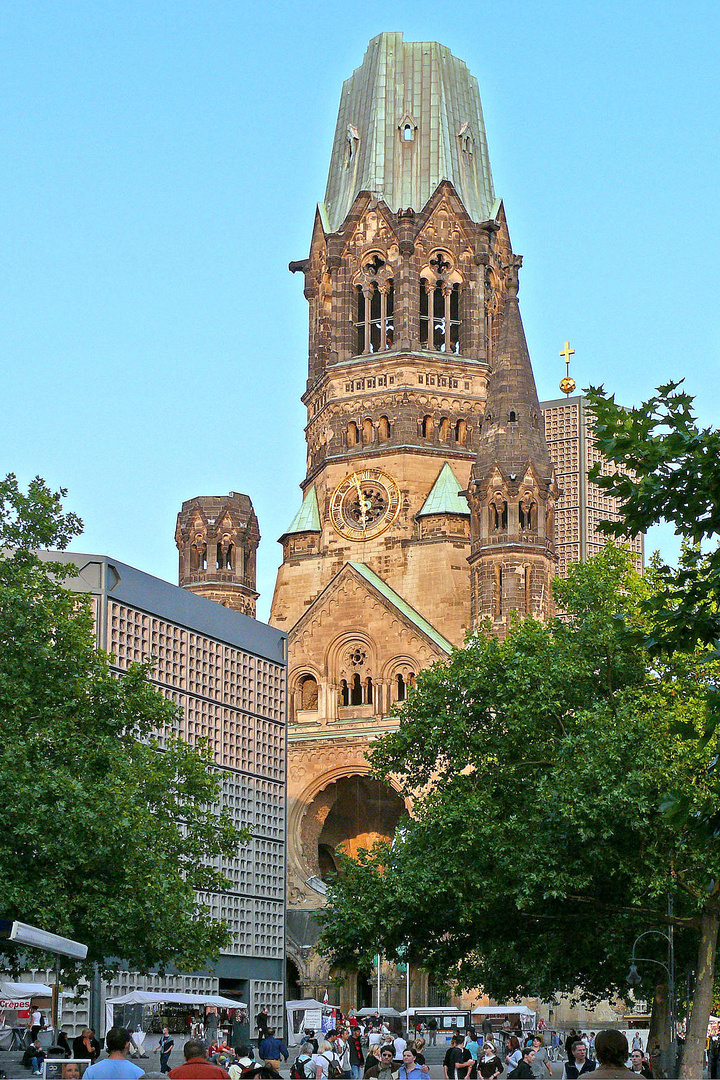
{"x": 365, "y": 504}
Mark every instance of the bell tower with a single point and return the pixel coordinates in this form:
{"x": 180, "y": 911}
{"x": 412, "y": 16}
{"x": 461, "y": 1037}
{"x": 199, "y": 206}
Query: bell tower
{"x": 403, "y": 285}
{"x": 513, "y": 490}
{"x": 217, "y": 538}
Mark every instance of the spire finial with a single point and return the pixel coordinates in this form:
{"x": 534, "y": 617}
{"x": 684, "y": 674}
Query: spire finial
{"x": 567, "y": 384}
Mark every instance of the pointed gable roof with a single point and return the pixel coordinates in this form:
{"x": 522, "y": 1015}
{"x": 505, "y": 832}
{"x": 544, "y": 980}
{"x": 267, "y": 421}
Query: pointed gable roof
{"x": 402, "y": 606}
{"x": 445, "y": 497}
{"x": 513, "y": 431}
{"x": 307, "y": 518}
{"x": 375, "y": 585}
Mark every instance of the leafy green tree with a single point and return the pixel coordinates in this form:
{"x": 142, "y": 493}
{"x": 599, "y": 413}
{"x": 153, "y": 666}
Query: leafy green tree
{"x": 669, "y": 469}
{"x": 104, "y": 837}
{"x": 537, "y": 849}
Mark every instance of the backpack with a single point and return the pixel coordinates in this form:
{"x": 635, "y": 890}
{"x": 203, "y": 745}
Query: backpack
{"x": 297, "y": 1069}
{"x": 334, "y": 1070}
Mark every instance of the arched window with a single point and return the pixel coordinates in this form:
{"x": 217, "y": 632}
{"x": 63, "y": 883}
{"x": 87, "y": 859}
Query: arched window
{"x": 461, "y": 432}
{"x": 383, "y": 428}
{"x": 229, "y": 556}
{"x": 367, "y": 430}
{"x": 375, "y": 324}
{"x": 356, "y": 690}
{"x": 427, "y": 427}
{"x": 352, "y": 434}
{"x": 444, "y": 430}
{"x": 344, "y": 692}
{"x": 308, "y": 692}
{"x": 368, "y": 691}
{"x": 360, "y": 321}
{"x": 440, "y": 315}
{"x": 408, "y": 133}
{"x": 512, "y": 418}
{"x": 497, "y": 513}
{"x": 400, "y": 688}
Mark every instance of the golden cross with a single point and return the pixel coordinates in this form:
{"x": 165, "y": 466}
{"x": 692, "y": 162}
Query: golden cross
{"x": 567, "y": 352}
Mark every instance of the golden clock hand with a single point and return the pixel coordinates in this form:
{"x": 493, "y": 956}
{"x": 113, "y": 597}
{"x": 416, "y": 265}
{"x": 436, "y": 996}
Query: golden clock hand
{"x": 361, "y": 502}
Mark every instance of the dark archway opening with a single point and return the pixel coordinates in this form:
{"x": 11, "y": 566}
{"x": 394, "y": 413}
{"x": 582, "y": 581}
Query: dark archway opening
{"x": 293, "y": 991}
{"x": 364, "y": 990}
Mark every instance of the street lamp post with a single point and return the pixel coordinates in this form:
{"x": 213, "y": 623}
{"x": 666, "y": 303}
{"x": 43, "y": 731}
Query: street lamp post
{"x": 634, "y": 977}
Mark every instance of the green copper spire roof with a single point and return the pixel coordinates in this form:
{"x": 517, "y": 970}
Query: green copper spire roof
{"x": 409, "y": 117}
{"x": 402, "y": 605}
{"x": 307, "y": 518}
{"x": 445, "y": 497}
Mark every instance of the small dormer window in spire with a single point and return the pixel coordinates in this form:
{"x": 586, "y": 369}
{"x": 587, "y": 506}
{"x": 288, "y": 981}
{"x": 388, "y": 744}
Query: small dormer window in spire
{"x": 407, "y": 128}
{"x": 352, "y": 138}
{"x": 512, "y": 418}
{"x": 467, "y": 143}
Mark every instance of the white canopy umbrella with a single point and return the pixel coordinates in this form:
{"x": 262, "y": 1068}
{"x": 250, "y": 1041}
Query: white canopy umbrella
{"x": 142, "y": 997}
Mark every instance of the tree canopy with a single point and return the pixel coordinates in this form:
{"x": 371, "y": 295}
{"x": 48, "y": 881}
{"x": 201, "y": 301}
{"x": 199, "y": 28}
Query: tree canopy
{"x": 538, "y": 765}
{"x": 104, "y": 836}
{"x": 565, "y": 779}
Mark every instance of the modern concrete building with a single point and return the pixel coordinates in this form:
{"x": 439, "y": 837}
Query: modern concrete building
{"x": 581, "y": 504}
{"x": 227, "y": 674}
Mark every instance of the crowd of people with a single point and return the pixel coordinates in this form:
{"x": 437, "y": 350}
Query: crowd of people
{"x": 358, "y": 1048}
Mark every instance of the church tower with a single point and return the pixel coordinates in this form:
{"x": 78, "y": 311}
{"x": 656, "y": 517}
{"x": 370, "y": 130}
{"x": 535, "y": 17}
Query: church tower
{"x": 513, "y": 490}
{"x": 411, "y": 283}
{"x": 217, "y": 538}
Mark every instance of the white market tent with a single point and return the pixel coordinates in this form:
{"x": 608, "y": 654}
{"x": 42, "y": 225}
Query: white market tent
{"x": 142, "y": 997}
{"x": 305, "y": 1013}
{"x": 504, "y": 1010}
{"x": 23, "y": 991}
{"x": 387, "y": 1011}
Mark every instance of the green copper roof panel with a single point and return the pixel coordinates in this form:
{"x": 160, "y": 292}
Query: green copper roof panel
{"x": 402, "y": 605}
{"x": 445, "y": 497}
{"x": 423, "y": 84}
{"x": 307, "y": 518}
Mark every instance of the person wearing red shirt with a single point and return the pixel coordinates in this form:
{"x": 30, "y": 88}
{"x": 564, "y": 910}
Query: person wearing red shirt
{"x": 197, "y": 1066}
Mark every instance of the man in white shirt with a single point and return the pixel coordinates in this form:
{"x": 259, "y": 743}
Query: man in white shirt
{"x": 400, "y": 1045}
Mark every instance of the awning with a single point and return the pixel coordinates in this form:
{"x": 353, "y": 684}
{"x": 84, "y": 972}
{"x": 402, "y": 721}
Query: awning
{"x": 142, "y": 997}
{"x": 18, "y": 991}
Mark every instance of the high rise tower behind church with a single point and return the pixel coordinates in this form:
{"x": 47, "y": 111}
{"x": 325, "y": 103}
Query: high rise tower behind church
{"x": 415, "y": 333}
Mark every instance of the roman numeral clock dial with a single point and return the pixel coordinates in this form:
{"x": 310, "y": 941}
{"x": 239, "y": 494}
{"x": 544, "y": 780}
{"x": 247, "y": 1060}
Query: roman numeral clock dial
{"x": 365, "y": 504}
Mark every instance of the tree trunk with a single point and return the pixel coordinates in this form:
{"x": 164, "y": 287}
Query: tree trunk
{"x": 692, "y": 1064}
{"x": 658, "y": 1035}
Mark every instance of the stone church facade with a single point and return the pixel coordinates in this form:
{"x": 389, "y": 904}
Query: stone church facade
{"x": 429, "y": 496}
{"x": 430, "y": 503}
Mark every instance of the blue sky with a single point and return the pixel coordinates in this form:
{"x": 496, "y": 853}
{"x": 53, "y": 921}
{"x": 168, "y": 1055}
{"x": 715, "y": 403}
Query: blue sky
{"x": 160, "y": 165}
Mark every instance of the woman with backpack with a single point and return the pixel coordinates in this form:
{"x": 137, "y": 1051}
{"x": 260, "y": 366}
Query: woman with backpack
{"x": 327, "y": 1064}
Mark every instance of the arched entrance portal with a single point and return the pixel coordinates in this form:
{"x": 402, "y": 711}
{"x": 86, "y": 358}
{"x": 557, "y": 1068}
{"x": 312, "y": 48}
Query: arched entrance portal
{"x": 353, "y": 812}
{"x": 293, "y": 990}
{"x": 364, "y": 990}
